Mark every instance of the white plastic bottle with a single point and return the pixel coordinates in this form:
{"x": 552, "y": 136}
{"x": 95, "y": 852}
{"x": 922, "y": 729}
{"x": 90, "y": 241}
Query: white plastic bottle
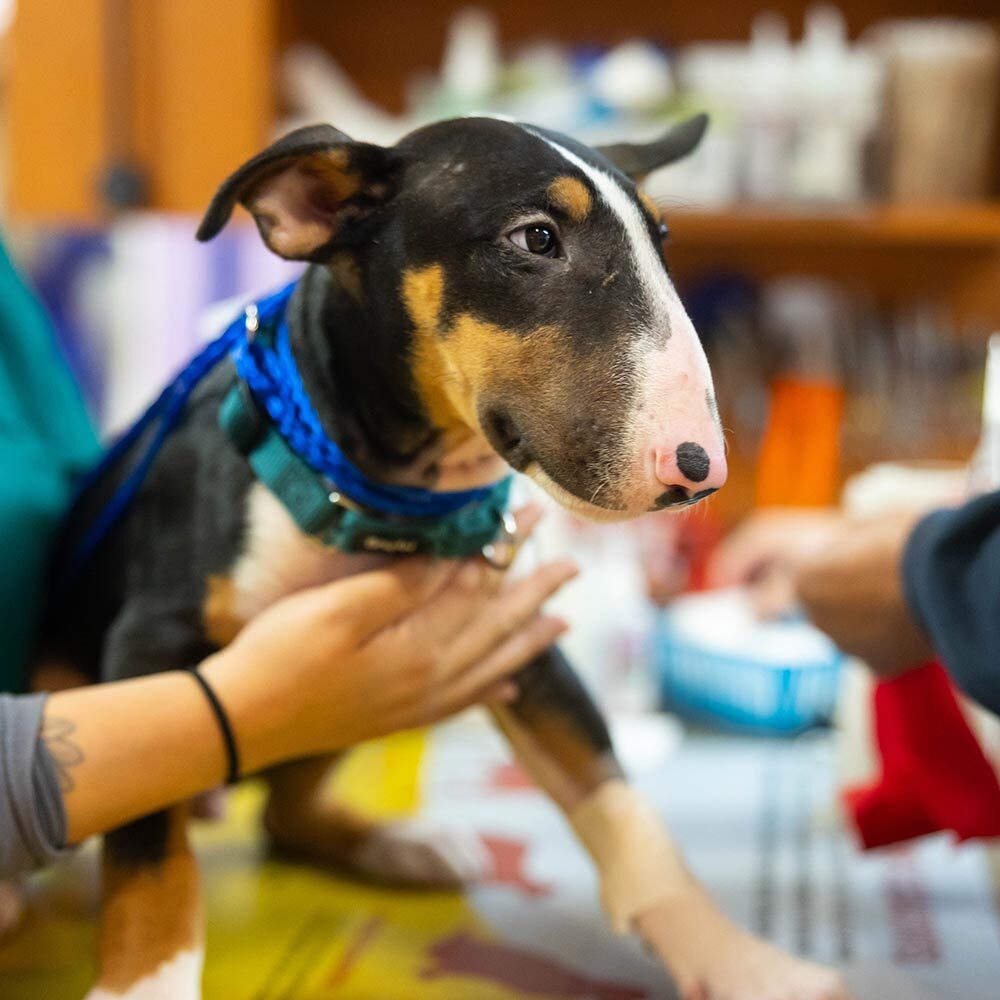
{"x": 985, "y": 470}
{"x": 836, "y": 107}
{"x": 767, "y": 113}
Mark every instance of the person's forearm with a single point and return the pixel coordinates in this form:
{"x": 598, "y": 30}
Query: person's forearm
{"x": 852, "y": 590}
{"x": 321, "y": 670}
{"x": 126, "y": 749}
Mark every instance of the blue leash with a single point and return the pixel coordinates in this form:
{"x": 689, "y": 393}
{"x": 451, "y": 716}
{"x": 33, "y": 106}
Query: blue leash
{"x": 273, "y": 378}
{"x": 167, "y": 408}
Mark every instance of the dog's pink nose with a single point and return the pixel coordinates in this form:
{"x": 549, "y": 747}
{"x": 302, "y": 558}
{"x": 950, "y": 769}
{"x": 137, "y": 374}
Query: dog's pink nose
{"x": 688, "y": 472}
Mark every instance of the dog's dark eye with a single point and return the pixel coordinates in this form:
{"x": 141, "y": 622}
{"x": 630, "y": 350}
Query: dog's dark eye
{"x": 538, "y": 239}
{"x": 664, "y": 231}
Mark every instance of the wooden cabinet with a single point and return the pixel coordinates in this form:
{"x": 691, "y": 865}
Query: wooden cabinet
{"x": 173, "y": 92}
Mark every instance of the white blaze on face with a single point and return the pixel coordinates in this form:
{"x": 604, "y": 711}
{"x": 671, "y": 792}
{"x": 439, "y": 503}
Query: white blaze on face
{"x": 675, "y": 400}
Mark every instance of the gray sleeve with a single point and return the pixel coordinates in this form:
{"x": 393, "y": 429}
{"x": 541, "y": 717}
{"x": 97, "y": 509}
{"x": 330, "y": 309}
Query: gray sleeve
{"x": 32, "y": 816}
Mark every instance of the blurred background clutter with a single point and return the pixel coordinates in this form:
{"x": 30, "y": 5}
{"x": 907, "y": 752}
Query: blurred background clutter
{"x": 836, "y": 238}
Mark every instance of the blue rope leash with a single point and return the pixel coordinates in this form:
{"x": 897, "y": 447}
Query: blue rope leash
{"x": 275, "y": 383}
{"x": 167, "y": 409}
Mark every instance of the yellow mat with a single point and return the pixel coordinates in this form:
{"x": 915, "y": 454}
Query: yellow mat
{"x": 279, "y": 931}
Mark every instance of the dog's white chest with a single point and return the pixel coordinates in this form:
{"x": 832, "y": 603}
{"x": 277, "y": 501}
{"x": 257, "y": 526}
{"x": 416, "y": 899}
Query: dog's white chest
{"x": 279, "y": 559}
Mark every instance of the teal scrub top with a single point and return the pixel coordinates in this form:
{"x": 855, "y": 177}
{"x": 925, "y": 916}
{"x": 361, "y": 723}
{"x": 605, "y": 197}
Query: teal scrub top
{"x": 46, "y": 440}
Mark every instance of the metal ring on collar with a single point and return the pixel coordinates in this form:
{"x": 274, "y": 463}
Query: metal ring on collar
{"x": 252, "y": 320}
{"x": 500, "y": 553}
{"x": 339, "y": 500}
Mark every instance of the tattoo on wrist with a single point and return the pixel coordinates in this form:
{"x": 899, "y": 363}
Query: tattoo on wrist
{"x": 57, "y": 736}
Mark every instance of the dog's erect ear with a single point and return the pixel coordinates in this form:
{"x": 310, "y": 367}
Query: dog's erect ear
{"x": 637, "y": 160}
{"x": 303, "y": 190}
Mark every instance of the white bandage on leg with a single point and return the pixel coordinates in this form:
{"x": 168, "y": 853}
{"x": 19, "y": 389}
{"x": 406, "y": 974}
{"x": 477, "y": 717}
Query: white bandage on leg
{"x": 636, "y": 860}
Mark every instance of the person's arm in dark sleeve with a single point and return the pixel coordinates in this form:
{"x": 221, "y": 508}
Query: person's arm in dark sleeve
{"x": 951, "y": 579}
{"x": 32, "y": 819}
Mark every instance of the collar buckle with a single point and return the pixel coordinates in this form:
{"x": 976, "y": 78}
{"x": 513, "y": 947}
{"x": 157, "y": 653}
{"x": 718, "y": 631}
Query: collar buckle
{"x": 251, "y": 321}
{"x": 501, "y": 552}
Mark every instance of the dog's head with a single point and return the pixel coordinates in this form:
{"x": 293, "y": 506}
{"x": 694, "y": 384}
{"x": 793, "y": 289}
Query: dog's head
{"x": 529, "y": 274}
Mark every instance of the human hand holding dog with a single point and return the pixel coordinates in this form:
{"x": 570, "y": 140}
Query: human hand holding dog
{"x": 386, "y": 650}
{"x": 320, "y": 670}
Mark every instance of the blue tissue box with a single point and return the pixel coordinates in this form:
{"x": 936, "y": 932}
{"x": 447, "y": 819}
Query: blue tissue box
{"x": 747, "y": 692}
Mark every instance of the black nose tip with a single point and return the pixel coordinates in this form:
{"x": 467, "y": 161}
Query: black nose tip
{"x": 693, "y": 461}
{"x": 678, "y": 496}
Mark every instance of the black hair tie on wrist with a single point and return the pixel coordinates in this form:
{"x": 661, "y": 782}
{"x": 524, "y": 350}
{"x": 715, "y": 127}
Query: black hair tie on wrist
{"x": 228, "y": 737}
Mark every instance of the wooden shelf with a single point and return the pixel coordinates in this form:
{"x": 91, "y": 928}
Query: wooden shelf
{"x": 971, "y": 226}
{"x": 894, "y": 253}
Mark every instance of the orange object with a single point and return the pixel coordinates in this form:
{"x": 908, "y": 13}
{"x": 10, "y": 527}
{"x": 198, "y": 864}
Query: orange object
{"x": 799, "y": 463}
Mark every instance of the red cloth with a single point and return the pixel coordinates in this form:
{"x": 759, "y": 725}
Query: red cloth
{"x": 935, "y": 775}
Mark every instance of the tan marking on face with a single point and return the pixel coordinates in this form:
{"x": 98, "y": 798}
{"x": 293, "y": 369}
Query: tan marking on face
{"x": 453, "y": 366}
{"x": 221, "y": 621}
{"x": 571, "y": 196}
{"x": 489, "y": 356}
{"x": 440, "y": 387}
{"x": 150, "y": 912}
{"x": 651, "y": 208}
{"x": 423, "y": 294}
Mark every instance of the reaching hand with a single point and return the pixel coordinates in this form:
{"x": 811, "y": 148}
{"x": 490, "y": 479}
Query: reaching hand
{"x": 385, "y": 650}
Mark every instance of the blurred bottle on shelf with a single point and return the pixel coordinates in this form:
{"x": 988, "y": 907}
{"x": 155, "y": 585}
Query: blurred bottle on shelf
{"x": 769, "y": 109}
{"x": 470, "y": 71}
{"x": 798, "y": 119}
{"x": 632, "y": 78}
{"x": 943, "y": 88}
{"x": 710, "y": 76}
{"x": 799, "y": 462}
{"x": 837, "y": 106}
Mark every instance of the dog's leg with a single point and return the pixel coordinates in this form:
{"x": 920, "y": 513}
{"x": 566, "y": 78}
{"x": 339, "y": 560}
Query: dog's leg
{"x": 560, "y": 736}
{"x": 304, "y": 820}
{"x": 558, "y": 732}
{"x": 151, "y": 938}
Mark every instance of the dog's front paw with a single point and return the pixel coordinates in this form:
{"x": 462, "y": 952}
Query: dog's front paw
{"x": 418, "y": 853}
{"x": 179, "y": 978}
{"x": 712, "y": 959}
